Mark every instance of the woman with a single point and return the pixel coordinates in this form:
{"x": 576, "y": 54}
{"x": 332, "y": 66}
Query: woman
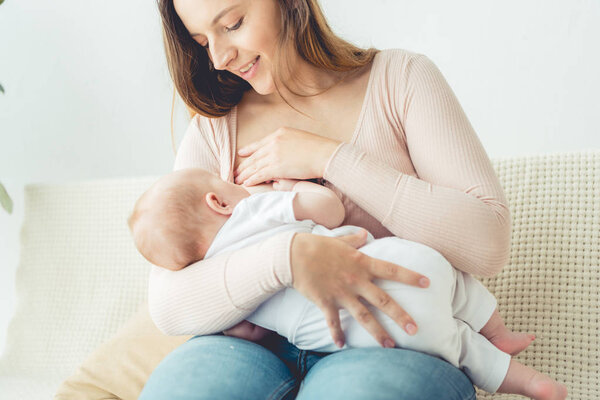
{"x": 269, "y": 83}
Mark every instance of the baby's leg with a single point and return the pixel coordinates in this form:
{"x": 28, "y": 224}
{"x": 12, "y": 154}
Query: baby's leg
{"x": 526, "y": 381}
{"x": 503, "y": 338}
{"x": 474, "y": 304}
{"x": 494, "y": 371}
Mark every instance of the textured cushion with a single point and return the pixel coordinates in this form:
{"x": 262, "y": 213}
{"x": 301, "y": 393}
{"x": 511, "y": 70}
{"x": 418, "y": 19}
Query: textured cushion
{"x": 550, "y": 286}
{"x": 80, "y": 279}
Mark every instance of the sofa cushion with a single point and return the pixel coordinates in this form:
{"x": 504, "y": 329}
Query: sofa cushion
{"x": 79, "y": 277}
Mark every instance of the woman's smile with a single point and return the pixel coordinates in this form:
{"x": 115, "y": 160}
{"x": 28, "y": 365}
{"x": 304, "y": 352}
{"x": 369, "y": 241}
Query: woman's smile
{"x": 249, "y": 70}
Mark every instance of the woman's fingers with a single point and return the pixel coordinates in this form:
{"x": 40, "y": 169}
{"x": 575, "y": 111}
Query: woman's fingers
{"x": 383, "y": 301}
{"x": 364, "y": 317}
{"x": 356, "y": 239}
{"x": 394, "y": 272}
{"x": 250, "y": 165}
{"x": 332, "y": 316}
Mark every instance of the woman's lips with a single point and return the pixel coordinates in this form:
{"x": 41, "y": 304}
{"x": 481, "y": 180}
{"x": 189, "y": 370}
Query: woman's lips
{"x": 252, "y": 71}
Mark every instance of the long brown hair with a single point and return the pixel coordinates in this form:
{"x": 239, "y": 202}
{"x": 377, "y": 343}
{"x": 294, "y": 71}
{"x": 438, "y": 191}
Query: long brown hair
{"x": 213, "y": 93}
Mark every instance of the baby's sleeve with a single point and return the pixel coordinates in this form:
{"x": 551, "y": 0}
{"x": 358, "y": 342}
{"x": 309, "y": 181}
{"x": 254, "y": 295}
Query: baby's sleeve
{"x": 273, "y": 207}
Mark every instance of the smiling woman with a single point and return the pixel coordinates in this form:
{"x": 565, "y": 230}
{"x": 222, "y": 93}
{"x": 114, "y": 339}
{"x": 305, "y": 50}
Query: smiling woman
{"x": 275, "y": 94}
{"x": 212, "y": 77}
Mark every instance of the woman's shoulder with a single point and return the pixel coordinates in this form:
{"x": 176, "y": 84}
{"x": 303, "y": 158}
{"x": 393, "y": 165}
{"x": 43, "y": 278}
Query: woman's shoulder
{"x": 395, "y": 60}
{"x": 398, "y": 69}
{"x": 213, "y": 128}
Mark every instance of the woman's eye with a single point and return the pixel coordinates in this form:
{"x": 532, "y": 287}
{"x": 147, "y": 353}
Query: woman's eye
{"x": 236, "y": 26}
{"x": 228, "y": 29}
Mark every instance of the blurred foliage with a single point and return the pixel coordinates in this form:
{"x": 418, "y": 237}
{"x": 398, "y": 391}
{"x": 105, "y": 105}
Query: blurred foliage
{"x": 5, "y": 200}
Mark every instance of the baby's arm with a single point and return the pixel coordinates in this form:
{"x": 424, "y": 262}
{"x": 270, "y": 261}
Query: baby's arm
{"x": 314, "y": 202}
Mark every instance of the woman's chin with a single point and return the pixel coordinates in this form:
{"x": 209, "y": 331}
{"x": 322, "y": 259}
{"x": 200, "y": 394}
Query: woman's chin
{"x": 263, "y": 88}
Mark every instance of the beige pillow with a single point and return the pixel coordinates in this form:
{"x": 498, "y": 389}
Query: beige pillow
{"x": 119, "y": 368}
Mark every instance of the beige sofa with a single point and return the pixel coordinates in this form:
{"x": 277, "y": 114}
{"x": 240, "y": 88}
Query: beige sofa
{"x": 81, "y": 286}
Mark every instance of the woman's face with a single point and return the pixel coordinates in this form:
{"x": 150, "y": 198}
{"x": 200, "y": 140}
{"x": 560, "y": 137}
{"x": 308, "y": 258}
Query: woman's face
{"x": 236, "y": 33}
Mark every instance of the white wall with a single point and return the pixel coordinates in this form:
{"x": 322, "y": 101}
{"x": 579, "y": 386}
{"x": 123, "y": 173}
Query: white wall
{"x": 88, "y": 94}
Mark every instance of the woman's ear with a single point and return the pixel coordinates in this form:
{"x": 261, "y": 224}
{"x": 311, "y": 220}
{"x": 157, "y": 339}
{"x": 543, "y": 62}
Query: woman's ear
{"x": 217, "y": 204}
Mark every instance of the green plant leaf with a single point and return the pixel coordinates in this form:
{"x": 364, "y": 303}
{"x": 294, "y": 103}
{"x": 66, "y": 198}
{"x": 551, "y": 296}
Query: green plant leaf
{"x": 1, "y": 88}
{"x": 5, "y": 199}
{"x": 1, "y": 1}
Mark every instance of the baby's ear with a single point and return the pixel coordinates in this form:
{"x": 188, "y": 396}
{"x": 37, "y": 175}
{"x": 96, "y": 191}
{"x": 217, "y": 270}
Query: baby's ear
{"x": 218, "y": 205}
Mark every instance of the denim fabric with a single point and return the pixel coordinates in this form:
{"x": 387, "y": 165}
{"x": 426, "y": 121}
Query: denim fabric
{"x": 223, "y": 367}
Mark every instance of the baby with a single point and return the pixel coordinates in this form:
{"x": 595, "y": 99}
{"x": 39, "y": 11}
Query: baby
{"x": 192, "y": 214}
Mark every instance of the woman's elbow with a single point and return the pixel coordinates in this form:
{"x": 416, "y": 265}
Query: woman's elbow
{"x": 161, "y": 323}
{"x": 497, "y": 253}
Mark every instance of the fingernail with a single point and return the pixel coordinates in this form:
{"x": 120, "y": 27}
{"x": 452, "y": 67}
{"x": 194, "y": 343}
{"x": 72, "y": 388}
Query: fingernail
{"x": 388, "y": 343}
{"x": 411, "y": 329}
{"x": 339, "y": 344}
{"x": 423, "y": 282}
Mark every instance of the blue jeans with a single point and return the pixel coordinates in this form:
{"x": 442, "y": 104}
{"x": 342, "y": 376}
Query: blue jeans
{"x": 229, "y": 368}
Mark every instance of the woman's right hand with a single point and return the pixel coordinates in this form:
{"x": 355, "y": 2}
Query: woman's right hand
{"x": 333, "y": 274}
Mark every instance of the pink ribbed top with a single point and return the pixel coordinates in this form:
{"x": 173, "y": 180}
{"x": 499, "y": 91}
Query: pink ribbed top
{"x": 414, "y": 168}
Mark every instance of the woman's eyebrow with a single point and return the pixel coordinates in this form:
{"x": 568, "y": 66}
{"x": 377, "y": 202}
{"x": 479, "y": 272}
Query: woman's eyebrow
{"x": 218, "y": 17}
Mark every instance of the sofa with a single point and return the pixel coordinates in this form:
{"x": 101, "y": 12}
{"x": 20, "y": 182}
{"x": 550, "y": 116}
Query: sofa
{"x": 81, "y": 329}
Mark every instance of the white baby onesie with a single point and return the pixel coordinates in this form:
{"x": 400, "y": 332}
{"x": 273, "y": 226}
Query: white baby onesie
{"x": 448, "y": 313}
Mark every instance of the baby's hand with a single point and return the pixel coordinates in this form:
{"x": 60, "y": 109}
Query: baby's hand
{"x": 284, "y": 185}
{"x": 247, "y": 330}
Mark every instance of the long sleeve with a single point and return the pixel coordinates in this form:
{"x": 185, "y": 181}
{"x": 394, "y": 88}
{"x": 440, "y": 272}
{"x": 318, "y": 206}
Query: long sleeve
{"x": 215, "y": 294}
{"x": 456, "y": 205}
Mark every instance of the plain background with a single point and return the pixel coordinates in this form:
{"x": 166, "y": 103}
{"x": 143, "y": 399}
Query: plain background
{"x": 88, "y": 94}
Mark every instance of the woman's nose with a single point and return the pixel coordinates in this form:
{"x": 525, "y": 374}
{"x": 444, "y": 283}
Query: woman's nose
{"x": 222, "y": 59}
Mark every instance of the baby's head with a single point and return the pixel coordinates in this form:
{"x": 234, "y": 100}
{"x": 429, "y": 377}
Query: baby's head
{"x": 174, "y": 222}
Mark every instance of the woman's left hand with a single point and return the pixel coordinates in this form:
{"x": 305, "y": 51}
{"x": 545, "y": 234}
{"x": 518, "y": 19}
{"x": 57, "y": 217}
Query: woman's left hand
{"x": 286, "y": 153}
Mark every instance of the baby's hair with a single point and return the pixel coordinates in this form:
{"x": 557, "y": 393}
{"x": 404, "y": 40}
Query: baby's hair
{"x": 174, "y": 223}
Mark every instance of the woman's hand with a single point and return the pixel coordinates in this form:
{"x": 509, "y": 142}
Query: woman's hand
{"x": 285, "y": 153}
{"x": 247, "y": 330}
{"x": 331, "y": 273}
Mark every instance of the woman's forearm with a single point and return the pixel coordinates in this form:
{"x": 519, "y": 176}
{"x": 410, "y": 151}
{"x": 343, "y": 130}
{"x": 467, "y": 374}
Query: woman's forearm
{"x": 215, "y": 294}
{"x": 471, "y": 228}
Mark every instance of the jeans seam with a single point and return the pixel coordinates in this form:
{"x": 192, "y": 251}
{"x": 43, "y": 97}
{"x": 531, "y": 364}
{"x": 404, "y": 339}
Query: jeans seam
{"x": 473, "y": 397}
{"x": 277, "y": 390}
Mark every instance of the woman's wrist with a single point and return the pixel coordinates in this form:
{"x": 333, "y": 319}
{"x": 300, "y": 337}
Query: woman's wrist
{"x": 328, "y": 149}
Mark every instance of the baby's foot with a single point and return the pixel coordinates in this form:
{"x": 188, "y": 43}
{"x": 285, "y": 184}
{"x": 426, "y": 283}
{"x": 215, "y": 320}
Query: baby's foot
{"x": 542, "y": 387}
{"x": 512, "y": 342}
{"x": 526, "y": 381}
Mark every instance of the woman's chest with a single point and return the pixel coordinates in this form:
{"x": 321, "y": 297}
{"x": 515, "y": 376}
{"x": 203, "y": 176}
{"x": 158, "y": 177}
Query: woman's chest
{"x": 336, "y": 116}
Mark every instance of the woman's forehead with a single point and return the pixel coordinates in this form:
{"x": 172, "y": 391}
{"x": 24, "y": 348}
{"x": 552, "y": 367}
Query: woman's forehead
{"x": 199, "y": 16}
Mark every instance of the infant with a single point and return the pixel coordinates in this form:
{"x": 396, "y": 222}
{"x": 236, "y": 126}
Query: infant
{"x": 192, "y": 214}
